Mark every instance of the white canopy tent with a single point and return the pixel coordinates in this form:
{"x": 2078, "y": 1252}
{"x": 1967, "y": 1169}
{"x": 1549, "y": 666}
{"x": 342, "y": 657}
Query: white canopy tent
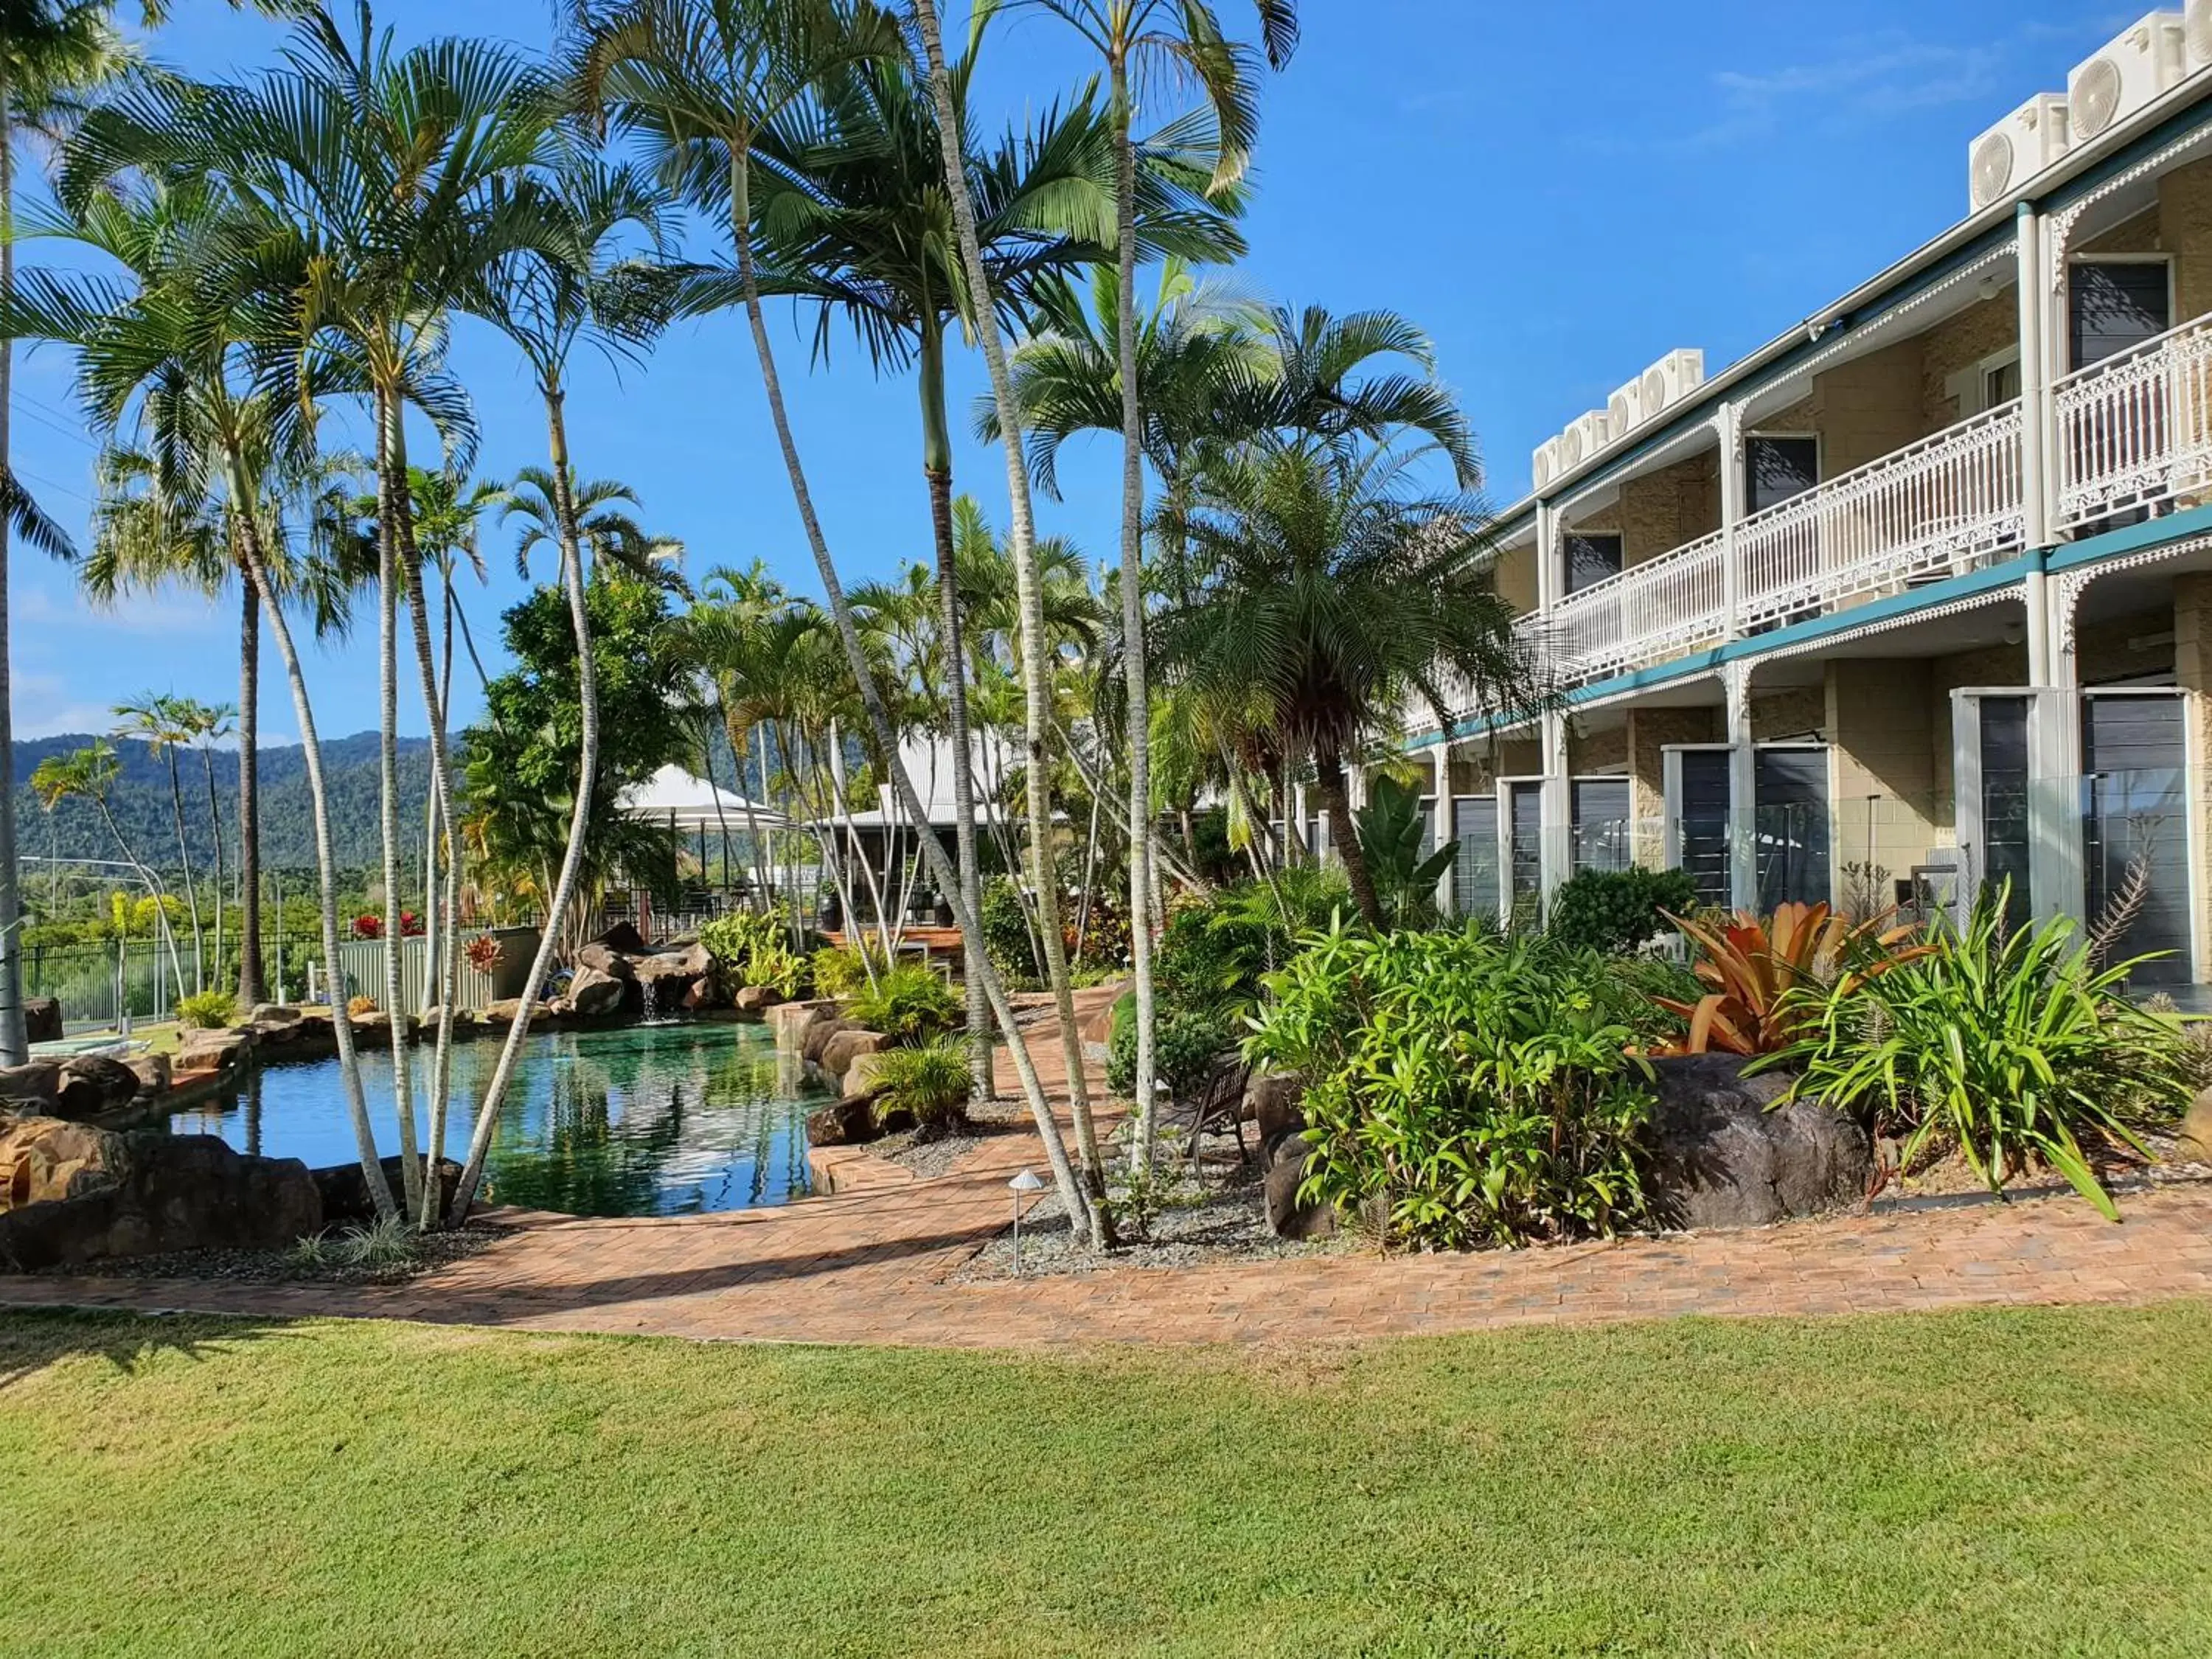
{"x": 672, "y": 796}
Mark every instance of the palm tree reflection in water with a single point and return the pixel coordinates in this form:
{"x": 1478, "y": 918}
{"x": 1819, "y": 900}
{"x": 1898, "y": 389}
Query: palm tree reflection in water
{"x": 668, "y": 1122}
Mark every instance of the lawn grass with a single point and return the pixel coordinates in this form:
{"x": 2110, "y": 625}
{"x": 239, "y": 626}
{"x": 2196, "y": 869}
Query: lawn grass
{"x": 2035, "y": 1481}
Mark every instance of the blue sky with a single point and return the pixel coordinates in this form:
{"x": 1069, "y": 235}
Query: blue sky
{"x": 1558, "y": 194}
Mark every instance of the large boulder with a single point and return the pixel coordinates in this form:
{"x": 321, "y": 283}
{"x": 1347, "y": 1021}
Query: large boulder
{"x": 2194, "y": 1144}
{"x": 501, "y": 1014}
{"x": 603, "y": 959}
{"x": 815, "y": 1042}
{"x": 1275, "y": 1102}
{"x": 202, "y": 1055}
{"x": 140, "y": 1194}
{"x": 1290, "y": 1215}
{"x": 672, "y": 969}
{"x": 790, "y": 1020}
{"x": 756, "y": 998}
{"x": 95, "y": 1085}
{"x": 595, "y": 996}
{"x": 345, "y": 1191}
{"x": 43, "y": 1159}
{"x": 152, "y": 1071}
{"x": 42, "y": 1019}
{"x": 848, "y": 1046}
{"x": 36, "y": 1086}
{"x": 1730, "y": 1155}
{"x": 847, "y": 1122}
{"x": 625, "y": 939}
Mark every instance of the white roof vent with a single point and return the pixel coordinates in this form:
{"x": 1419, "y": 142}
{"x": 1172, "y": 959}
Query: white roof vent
{"x": 1671, "y": 379}
{"x": 2197, "y": 35}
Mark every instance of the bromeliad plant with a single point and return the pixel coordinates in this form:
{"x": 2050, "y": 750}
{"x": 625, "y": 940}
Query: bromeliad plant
{"x": 1758, "y": 973}
{"x": 1474, "y": 1091}
{"x": 2012, "y": 1043}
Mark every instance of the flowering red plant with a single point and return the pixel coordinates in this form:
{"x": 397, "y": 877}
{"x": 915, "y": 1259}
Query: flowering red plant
{"x": 368, "y": 927}
{"x": 410, "y": 925}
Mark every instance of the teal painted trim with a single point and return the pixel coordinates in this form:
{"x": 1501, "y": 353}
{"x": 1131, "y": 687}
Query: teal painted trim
{"x": 2069, "y": 555}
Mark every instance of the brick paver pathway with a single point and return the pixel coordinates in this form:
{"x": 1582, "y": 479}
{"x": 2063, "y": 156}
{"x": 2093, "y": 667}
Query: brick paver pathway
{"x": 870, "y": 1267}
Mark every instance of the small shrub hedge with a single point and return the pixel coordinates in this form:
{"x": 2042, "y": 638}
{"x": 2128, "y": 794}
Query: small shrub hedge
{"x": 753, "y": 949}
{"x": 1471, "y": 1090}
{"x": 1185, "y": 1045}
{"x": 208, "y": 1010}
{"x": 843, "y": 970}
{"x": 929, "y": 1081}
{"x": 1618, "y": 911}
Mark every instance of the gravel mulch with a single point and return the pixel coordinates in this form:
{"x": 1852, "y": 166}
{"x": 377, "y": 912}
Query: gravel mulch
{"x": 295, "y": 1267}
{"x": 932, "y": 1156}
{"x": 1219, "y": 1219}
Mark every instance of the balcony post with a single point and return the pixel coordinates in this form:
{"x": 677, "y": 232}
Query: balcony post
{"x": 1743, "y": 790}
{"x": 1447, "y": 884}
{"x": 1728, "y": 429}
{"x": 2035, "y": 435}
{"x": 1547, "y": 558}
{"x": 1554, "y": 853}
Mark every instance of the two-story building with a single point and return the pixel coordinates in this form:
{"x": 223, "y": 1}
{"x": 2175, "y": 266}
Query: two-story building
{"x": 1918, "y": 596}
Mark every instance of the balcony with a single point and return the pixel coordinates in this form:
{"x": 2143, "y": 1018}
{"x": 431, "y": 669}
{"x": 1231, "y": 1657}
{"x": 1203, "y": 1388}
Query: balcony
{"x": 2129, "y": 434}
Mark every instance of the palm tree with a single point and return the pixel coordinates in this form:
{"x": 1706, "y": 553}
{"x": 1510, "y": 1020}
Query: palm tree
{"x": 53, "y": 52}
{"x": 697, "y": 81}
{"x": 175, "y": 355}
{"x": 209, "y": 724}
{"x": 571, "y": 282}
{"x": 1326, "y": 593}
{"x": 144, "y": 541}
{"x": 157, "y": 720}
{"x": 1036, "y": 671}
{"x": 854, "y": 207}
{"x": 1179, "y": 41}
{"x": 603, "y": 530}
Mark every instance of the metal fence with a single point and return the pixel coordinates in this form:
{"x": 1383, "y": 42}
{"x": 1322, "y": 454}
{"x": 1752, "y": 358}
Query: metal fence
{"x": 96, "y": 984}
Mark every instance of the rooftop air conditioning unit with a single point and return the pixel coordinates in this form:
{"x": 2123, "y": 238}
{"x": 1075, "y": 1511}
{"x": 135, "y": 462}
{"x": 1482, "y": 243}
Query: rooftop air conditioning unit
{"x": 2196, "y": 35}
{"x": 1625, "y": 410}
{"x": 1670, "y": 380}
{"x": 1585, "y": 435}
{"x": 1546, "y": 462}
{"x": 2125, "y": 76}
{"x": 2025, "y": 142}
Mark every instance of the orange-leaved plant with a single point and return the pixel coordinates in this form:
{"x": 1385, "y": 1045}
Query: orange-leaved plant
{"x": 1758, "y": 971}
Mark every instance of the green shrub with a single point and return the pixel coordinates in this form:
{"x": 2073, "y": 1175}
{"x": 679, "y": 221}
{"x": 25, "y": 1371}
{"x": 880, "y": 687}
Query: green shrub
{"x": 1618, "y": 911}
{"x": 907, "y": 1004}
{"x": 2011, "y": 1042}
{"x": 842, "y": 970}
{"x": 1185, "y": 1045}
{"x": 1473, "y": 1090}
{"x": 1006, "y": 940}
{"x": 930, "y": 1081}
{"x": 208, "y": 1010}
{"x": 753, "y": 948}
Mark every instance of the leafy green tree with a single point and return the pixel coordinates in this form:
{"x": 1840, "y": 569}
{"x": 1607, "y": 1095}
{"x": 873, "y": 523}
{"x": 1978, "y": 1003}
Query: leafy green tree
{"x": 158, "y": 720}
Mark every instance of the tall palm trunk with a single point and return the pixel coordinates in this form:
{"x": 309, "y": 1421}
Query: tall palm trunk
{"x": 214, "y": 830}
{"x": 410, "y": 552}
{"x": 14, "y": 1049}
{"x": 1080, "y": 1215}
{"x": 1328, "y": 773}
{"x": 387, "y": 687}
{"x": 319, "y": 801}
{"x": 184, "y": 859}
{"x": 1036, "y": 664}
{"x": 1133, "y": 613}
{"x": 572, "y": 858}
{"x": 937, "y": 468}
{"x": 251, "y": 987}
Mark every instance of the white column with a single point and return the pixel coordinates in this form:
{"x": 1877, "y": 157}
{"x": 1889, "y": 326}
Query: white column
{"x": 1555, "y": 849}
{"x": 1441, "y": 760}
{"x": 1548, "y": 585}
{"x": 2035, "y": 435}
{"x": 1743, "y": 791}
{"x": 1728, "y": 429}
{"x": 1300, "y": 831}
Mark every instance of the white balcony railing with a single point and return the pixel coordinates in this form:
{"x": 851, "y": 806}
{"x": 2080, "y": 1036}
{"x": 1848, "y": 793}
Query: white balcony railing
{"x": 1662, "y": 608}
{"x": 2131, "y": 433}
{"x": 2135, "y": 431}
{"x": 1936, "y": 508}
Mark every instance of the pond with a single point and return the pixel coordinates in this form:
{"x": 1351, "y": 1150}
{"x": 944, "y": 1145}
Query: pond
{"x": 665, "y": 1120}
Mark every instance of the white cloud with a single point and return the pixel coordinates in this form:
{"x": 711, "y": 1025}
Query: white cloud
{"x": 168, "y": 615}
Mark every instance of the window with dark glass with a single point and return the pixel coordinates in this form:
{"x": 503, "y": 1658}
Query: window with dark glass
{"x": 1776, "y": 469}
{"x": 1474, "y": 874}
{"x": 2001, "y": 384}
{"x": 1602, "y": 823}
{"x": 1701, "y": 824}
{"x": 2114, "y": 307}
{"x": 1591, "y": 559}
